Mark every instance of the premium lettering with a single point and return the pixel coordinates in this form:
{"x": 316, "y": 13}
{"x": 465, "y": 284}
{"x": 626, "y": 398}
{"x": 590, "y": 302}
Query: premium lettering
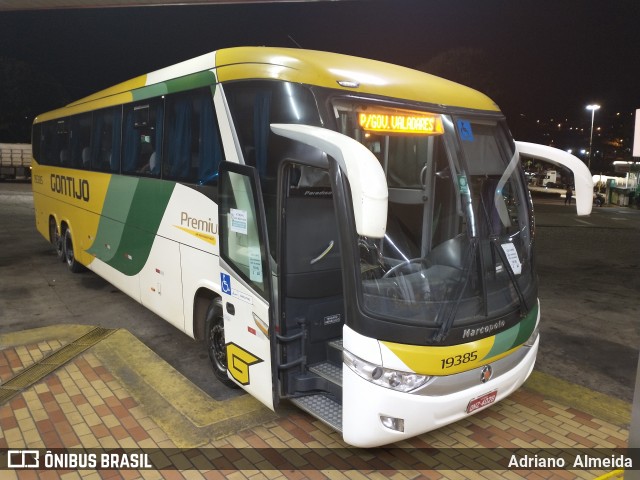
{"x": 198, "y": 223}
{"x": 77, "y": 188}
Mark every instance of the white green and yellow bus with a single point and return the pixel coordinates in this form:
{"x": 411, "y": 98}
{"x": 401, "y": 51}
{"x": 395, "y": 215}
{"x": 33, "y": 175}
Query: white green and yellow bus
{"x": 351, "y": 236}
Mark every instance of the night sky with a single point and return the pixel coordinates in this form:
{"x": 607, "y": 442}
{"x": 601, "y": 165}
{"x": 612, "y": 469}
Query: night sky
{"x": 539, "y": 58}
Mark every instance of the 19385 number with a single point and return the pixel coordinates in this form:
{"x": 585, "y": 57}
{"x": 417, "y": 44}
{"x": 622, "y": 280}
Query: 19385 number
{"x": 459, "y": 359}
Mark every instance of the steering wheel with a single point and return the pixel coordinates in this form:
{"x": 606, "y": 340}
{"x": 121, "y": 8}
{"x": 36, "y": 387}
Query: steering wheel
{"x": 395, "y": 268}
{"x": 369, "y": 253}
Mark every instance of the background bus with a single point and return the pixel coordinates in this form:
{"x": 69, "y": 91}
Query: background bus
{"x": 350, "y": 235}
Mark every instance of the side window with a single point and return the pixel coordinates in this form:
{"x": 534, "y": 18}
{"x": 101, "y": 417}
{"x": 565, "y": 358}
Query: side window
{"x": 192, "y": 147}
{"x": 36, "y": 143}
{"x": 242, "y": 242}
{"x": 105, "y": 140}
{"x": 49, "y": 150}
{"x": 255, "y": 105}
{"x": 142, "y": 138}
{"x": 80, "y": 141}
{"x": 55, "y": 143}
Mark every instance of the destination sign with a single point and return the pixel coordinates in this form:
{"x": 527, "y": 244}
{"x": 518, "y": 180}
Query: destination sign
{"x": 423, "y": 124}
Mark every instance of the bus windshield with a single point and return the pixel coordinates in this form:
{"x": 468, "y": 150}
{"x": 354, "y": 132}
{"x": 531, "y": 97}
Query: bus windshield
{"x": 458, "y": 245}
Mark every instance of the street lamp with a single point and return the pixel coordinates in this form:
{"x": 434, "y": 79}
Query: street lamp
{"x": 593, "y": 109}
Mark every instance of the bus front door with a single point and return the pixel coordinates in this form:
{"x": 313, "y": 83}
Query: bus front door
{"x": 245, "y": 281}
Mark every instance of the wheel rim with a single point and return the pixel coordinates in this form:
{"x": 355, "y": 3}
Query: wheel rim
{"x": 68, "y": 248}
{"x": 56, "y": 241}
{"x": 217, "y": 350}
{"x": 58, "y": 244}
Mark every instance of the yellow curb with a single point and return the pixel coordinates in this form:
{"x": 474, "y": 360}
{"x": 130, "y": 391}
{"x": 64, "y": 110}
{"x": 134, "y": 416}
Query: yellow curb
{"x": 611, "y": 475}
{"x": 594, "y": 403}
{"x": 63, "y": 333}
{"x": 188, "y": 416}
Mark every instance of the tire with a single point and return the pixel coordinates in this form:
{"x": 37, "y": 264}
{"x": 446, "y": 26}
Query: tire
{"x": 56, "y": 239}
{"x": 216, "y": 345}
{"x": 72, "y": 263}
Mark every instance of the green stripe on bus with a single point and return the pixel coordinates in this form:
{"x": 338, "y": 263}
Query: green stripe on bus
{"x": 188, "y": 82}
{"x": 147, "y": 209}
{"x": 516, "y": 335}
{"x": 527, "y": 325}
{"x": 504, "y": 341}
{"x": 114, "y": 216}
{"x": 130, "y": 222}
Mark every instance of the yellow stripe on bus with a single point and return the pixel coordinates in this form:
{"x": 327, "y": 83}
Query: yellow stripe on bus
{"x": 81, "y": 107}
{"x": 326, "y": 69}
{"x": 429, "y": 360}
{"x": 79, "y": 196}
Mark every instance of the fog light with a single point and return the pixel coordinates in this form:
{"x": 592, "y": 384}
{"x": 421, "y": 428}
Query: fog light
{"x": 393, "y": 423}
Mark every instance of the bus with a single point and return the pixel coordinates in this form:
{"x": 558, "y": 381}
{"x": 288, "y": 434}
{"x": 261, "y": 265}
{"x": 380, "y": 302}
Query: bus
{"x": 347, "y": 235}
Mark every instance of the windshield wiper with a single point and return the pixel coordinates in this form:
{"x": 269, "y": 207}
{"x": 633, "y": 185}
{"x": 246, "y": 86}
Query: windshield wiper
{"x": 494, "y": 238}
{"x": 450, "y": 313}
{"x": 512, "y": 276}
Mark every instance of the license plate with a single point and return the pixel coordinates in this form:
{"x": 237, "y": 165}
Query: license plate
{"x": 482, "y": 401}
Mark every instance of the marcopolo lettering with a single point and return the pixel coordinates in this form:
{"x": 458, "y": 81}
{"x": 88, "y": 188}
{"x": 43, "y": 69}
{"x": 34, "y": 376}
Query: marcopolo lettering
{"x": 70, "y": 186}
{"x": 474, "y": 332}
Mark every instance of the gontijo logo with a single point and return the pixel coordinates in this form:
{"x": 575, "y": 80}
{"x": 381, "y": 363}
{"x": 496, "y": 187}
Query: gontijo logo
{"x": 238, "y": 362}
{"x": 70, "y": 186}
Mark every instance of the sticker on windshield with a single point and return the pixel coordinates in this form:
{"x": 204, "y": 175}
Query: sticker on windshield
{"x": 463, "y": 184}
{"x": 465, "y": 131}
{"x": 238, "y": 219}
{"x": 255, "y": 264}
{"x": 512, "y": 257}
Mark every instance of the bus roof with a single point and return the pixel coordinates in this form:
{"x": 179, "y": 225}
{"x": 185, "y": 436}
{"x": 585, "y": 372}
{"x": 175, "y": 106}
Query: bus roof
{"x": 294, "y": 65}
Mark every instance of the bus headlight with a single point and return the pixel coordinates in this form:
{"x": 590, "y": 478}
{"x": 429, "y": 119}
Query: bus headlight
{"x": 385, "y": 377}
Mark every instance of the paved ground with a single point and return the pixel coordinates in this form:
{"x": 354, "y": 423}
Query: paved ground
{"x": 65, "y": 384}
{"x": 589, "y": 294}
{"x": 101, "y": 399}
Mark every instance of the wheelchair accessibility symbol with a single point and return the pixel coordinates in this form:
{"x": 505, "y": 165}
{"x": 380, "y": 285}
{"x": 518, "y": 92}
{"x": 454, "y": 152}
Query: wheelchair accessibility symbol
{"x": 225, "y": 281}
{"x": 465, "y": 130}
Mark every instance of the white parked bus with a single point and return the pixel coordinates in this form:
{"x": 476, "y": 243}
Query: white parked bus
{"x": 349, "y": 235}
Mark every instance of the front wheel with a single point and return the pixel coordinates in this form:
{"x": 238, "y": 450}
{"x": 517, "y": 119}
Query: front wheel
{"x": 69, "y": 256}
{"x": 216, "y": 344}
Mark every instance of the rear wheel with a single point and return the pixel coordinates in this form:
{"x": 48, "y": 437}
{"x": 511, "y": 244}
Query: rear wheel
{"x": 216, "y": 344}
{"x": 69, "y": 256}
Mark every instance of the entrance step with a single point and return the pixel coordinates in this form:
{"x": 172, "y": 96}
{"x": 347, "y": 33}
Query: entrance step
{"x": 323, "y": 408}
{"x": 328, "y": 370}
{"x": 334, "y": 351}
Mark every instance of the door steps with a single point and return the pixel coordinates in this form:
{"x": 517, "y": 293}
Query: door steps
{"x": 330, "y": 371}
{"x": 323, "y": 408}
{"x": 326, "y": 406}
